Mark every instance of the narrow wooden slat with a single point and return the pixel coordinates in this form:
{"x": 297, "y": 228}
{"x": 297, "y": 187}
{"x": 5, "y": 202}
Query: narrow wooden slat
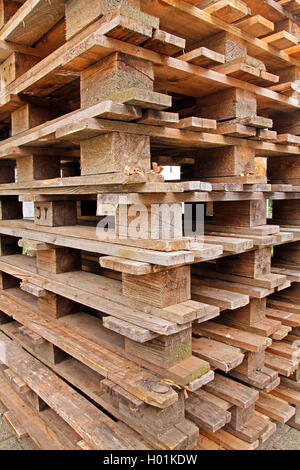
{"x": 274, "y": 408}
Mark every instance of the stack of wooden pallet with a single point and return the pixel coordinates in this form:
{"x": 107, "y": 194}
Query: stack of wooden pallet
{"x": 121, "y": 326}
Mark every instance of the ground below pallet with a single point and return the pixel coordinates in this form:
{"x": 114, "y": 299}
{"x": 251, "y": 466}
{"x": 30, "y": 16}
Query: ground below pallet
{"x": 9, "y": 442}
{"x": 285, "y": 438}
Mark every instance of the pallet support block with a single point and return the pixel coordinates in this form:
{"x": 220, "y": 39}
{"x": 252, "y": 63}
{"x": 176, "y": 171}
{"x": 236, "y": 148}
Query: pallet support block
{"x": 240, "y": 416}
{"x": 8, "y": 245}
{"x": 167, "y": 430}
{"x": 58, "y": 260}
{"x": 10, "y": 208}
{"x": 227, "y": 44}
{"x": 289, "y": 74}
{"x": 56, "y": 305}
{"x": 164, "y": 351}
{"x": 249, "y": 315}
{"x": 113, "y": 152}
{"x": 233, "y": 103}
{"x": 161, "y": 289}
{"x": 224, "y": 162}
{"x": 7, "y": 281}
{"x": 254, "y": 264}
{"x": 29, "y": 116}
{"x": 15, "y": 66}
{"x": 252, "y": 363}
{"x": 240, "y": 213}
{"x": 79, "y": 14}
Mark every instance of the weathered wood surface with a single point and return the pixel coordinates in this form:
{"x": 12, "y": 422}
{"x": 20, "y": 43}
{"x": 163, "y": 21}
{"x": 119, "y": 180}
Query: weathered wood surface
{"x": 63, "y": 399}
{"x": 105, "y": 362}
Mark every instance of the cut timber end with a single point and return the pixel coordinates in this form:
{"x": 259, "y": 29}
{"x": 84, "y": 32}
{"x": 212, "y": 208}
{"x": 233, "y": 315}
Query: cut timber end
{"x": 144, "y": 98}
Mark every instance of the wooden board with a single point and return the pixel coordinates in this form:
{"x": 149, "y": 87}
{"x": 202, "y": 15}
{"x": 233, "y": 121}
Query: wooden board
{"x": 32, "y": 20}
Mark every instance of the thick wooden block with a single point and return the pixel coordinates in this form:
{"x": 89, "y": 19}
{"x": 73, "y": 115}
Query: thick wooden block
{"x": 4, "y": 318}
{"x": 30, "y": 116}
{"x": 164, "y": 351}
{"x": 34, "y": 401}
{"x": 165, "y": 43}
{"x": 159, "y": 289}
{"x": 56, "y": 305}
{"x": 113, "y": 152}
{"x": 14, "y": 66}
{"x": 8, "y": 245}
{"x": 254, "y": 264}
{"x": 240, "y": 416}
{"x": 227, "y": 44}
{"x": 55, "y": 213}
{"x": 225, "y": 11}
{"x": 297, "y": 375}
{"x": 292, "y": 294}
{"x": 289, "y": 74}
{"x": 7, "y": 9}
{"x": 37, "y": 167}
{"x": 252, "y": 313}
{"x": 290, "y": 26}
{"x": 225, "y": 161}
{"x": 229, "y": 104}
{"x": 10, "y": 208}
{"x": 113, "y": 74}
{"x": 58, "y": 260}
{"x": 80, "y": 13}
{"x": 7, "y": 171}
{"x": 7, "y": 281}
{"x": 284, "y": 169}
{"x": 287, "y": 212}
{"x": 252, "y": 362}
{"x": 145, "y": 418}
{"x": 156, "y": 222}
{"x": 240, "y": 213}
{"x": 131, "y": 9}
